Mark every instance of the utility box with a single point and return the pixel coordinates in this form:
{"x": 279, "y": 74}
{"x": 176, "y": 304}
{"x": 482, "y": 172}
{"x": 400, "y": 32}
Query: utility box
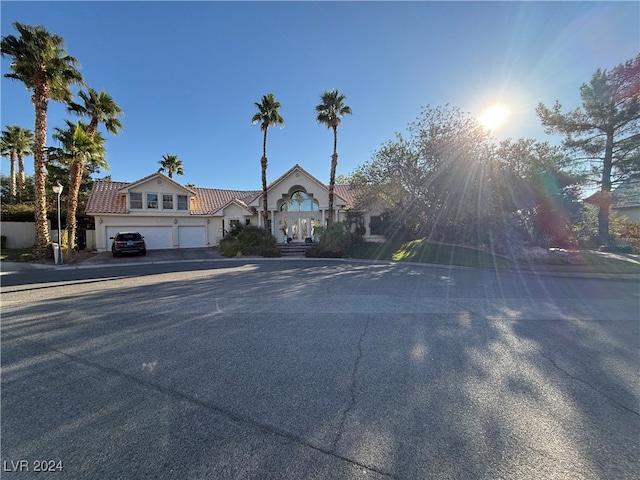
{"x": 57, "y": 253}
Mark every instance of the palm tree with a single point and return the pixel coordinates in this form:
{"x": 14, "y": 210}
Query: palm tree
{"x": 15, "y": 143}
{"x": 77, "y": 149}
{"x": 267, "y": 115}
{"x": 24, "y": 146}
{"x": 40, "y": 62}
{"x": 330, "y": 112}
{"x": 6, "y": 150}
{"x": 100, "y": 108}
{"x": 171, "y": 164}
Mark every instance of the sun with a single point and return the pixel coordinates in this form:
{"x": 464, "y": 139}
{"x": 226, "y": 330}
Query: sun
{"x": 494, "y": 116}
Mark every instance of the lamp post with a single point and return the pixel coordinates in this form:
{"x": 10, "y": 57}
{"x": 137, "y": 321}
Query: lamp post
{"x": 57, "y": 189}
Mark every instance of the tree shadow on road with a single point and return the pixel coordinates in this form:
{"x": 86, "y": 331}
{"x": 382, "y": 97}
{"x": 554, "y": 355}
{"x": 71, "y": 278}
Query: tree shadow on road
{"x": 247, "y": 370}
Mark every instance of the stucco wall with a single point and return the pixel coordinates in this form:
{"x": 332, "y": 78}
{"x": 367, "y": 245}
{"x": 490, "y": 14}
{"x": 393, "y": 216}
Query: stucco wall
{"x": 632, "y": 213}
{"x": 19, "y": 234}
{"x": 23, "y": 235}
{"x": 91, "y": 239}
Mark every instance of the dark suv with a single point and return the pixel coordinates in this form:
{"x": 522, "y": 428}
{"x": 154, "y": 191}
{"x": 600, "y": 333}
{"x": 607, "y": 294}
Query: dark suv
{"x": 128, "y": 242}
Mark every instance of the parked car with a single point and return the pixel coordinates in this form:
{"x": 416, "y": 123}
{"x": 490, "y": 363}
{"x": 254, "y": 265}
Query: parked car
{"x": 128, "y": 242}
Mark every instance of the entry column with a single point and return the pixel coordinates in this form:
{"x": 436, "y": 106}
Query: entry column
{"x": 273, "y": 223}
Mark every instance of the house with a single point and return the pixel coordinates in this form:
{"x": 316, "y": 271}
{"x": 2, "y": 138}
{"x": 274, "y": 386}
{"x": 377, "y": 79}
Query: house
{"x": 171, "y": 215}
{"x": 626, "y": 199}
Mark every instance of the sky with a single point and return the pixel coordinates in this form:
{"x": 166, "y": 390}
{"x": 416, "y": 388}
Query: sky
{"x": 187, "y": 74}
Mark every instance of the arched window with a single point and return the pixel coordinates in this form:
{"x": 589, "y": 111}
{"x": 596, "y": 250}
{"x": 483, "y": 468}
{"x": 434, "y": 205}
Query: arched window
{"x": 299, "y": 202}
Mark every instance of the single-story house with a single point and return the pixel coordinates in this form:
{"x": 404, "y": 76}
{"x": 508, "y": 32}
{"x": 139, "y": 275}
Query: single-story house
{"x": 171, "y": 215}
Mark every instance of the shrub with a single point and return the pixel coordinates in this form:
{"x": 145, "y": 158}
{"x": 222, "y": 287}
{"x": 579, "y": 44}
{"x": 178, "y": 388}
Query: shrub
{"x": 334, "y": 242}
{"x": 229, "y": 247}
{"x": 616, "y": 248}
{"x": 334, "y": 236}
{"x": 633, "y": 236}
{"x": 248, "y": 240}
{"x": 19, "y": 212}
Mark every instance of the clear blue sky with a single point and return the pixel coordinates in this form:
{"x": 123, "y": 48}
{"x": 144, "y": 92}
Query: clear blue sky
{"x": 187, "y": 74}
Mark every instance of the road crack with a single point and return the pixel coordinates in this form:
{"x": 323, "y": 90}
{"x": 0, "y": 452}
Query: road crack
{"x": 224, "y": 412}
{"x": 581, "y": 380}
{"x": 352, "y": 390}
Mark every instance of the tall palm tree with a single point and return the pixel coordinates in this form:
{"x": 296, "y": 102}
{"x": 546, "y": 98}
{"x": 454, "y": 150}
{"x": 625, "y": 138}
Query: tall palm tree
{"x": 77, "y": 149}
{"x": 330, "y": 112}
{"x": 100, "y": 108}
{"x": 267, "y": 115}
{"x": 171, "y": 164}
{"x": 15, "y": 143}
{"x": 41, "y": 63}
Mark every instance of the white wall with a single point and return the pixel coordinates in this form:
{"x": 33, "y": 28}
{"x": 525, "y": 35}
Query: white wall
{"x": 91, "y": 239}
{"x": 19, "y": 234}
{"x": 632, "y": 214}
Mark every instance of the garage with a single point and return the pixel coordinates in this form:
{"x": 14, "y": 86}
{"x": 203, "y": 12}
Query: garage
{"x": 192, "y": 236}
{"x": 154, "y": 237}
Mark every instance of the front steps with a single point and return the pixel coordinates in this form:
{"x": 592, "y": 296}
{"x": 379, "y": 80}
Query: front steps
{"x": 293, "y": 249}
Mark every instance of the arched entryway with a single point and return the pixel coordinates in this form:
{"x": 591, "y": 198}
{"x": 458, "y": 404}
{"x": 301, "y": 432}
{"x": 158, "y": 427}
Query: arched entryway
{"x": 297, "y": 216}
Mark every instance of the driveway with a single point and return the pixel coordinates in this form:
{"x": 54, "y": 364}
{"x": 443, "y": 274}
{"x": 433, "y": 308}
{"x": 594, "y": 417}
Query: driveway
{"x": 174, "y": 254}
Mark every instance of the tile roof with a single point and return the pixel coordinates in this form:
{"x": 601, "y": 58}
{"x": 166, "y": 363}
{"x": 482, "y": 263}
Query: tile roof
{"x": 209, "y": 200}
{"x": 106, "y": 198}
{"x": 345, "y": 192}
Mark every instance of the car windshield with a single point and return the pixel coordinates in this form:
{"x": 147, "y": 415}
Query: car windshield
{"x": 129, "y": 236}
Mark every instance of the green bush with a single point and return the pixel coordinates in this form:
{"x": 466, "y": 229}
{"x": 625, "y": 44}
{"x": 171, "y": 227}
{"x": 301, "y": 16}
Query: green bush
{"x": 632, "y": 236}
{"x": 248, "y": 240}
{"x": 229, "y": 247}
{"x": 335, "y": 242}
{"x": 616, "y": 248}
{"x": 19, "y": 212}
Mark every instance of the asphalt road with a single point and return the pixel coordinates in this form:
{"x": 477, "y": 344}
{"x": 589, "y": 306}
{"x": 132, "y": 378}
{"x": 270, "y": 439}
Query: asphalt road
{"x": 305, "y": 369}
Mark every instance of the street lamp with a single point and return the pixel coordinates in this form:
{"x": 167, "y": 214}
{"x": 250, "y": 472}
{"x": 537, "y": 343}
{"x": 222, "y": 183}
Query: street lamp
{"x": 57, "y": 189}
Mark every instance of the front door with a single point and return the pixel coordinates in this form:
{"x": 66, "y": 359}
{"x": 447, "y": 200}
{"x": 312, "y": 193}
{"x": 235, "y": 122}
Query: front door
{"x": 296, "y": 227}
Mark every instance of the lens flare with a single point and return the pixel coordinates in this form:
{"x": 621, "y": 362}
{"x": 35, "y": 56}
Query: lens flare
{"x": 494, "y": 116}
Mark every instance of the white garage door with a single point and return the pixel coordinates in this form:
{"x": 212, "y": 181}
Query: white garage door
{"x": 191, "y": 237}
{"x": 154, "y": 237}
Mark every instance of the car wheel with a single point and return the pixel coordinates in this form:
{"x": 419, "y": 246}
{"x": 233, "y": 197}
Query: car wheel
{"x": 114, "y": 254}
{"x": 143, "y": 253}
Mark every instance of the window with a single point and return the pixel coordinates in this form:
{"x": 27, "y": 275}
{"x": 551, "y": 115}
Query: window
{"x": 183, "y": 203}
{"x": 377, "y": 225}
{"x": 299, "y": 202}
{"x": 152, "y": 200}
{"x": 135, "y": 200}
{"x": 167, "y": 201}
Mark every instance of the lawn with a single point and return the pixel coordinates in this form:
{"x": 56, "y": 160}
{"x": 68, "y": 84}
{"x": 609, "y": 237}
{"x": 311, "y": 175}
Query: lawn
{"x": 17, "y": 255}
{"x": 421, "y": 251}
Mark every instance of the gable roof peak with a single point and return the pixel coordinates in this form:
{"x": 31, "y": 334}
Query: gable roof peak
{"x": 152, "y": 176}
